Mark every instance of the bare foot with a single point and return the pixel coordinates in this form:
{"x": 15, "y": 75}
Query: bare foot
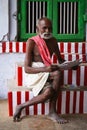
{"x": 16, "y": 116}
{"x": 56, "y": 118}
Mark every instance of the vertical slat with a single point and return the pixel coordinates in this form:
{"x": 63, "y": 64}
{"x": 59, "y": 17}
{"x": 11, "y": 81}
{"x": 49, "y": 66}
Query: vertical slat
{"x": 74, "y": 16}
{"x": 60, "y": 18}
{"x": 32, "y": 17}
{"x": 67, "y": 17}
{"x": 64, "y": 18}
{"x": 71, "y": 18}
{"x": 28, "y": 17}
{"x": 40, "y": 10}
{"x": 36, "y": 10}
{"x": 43, "y": 9}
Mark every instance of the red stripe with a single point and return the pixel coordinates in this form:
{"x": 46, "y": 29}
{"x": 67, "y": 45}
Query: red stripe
{"x": 61, "y": 47}
{"x": 62, "y": 80}
{"x": 10, "y": 104}
{"x": 3, "y": 46}
{"x": 17, "y": 46}
{"x": 67, "y": 101}
{"x": 59, "y": 103}
{"x": 77, "y": 56}
{"x": 69, "y": 76}
{"x": 74, "y": 102}
{"x": 35, "y": 109}
{"x": 27, "y": 99}
{"x": 70, "y": 71}
{"x": 85, "y": 76}
{"x": 18, "y": 97}
{"x": 69, "y": 47}
{"x": 24, "y": 47}
{"x": 78, "y": 76}
{"x": 19, "y": 76}
{"x": 76, "y": 47}
{"x": 81, "y": 101}
{"x": 43, "y": 108}
{"x": 10, "y": 47}
{"x": 83, "y": 48}
{"x": 62, "y": 55}
{"x": 84, "y": 58}
{"x": 70, "y": 57}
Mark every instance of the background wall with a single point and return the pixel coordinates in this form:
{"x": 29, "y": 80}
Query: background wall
{"x": 8, "y": 32}
{"x": 8, "y": 25}
{"x": 4, "y": 20}
{"x": 7, "y": 70}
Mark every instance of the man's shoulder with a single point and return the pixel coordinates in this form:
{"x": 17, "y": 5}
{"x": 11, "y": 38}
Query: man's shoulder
{"x": 54, "y": 40}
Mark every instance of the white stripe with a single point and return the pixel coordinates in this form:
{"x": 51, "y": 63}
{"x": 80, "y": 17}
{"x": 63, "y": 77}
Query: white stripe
{"x": 23, "y": 76}
{"x": 71, "y": 102}
{"x": 85, "y": 102}
{"x": 77, "y": 101}
{"x": 14, "y": 101}
{"x": 80, "y": 56}
{"x": 65, "y": 47}
{"x": 65, "y": 77}
{"x": 7, "y": 47}
{"x": 14, "y": 46}
{"x": 74, "y": 77}
{"x": 63, "y": 104}
{"x": 80, "y": 48}
{"x": 72, "y": 47}
{"x": 16, "y": 73}
{"x": 1, "y": 47}
{"x": 82, "y": 69}
{"x": 47, "y": 104}
{"x": 66, "y": 57}
{"x": 73, "y": 57}
{"x": 39, "y": 109}
{"x": 31, "y": 108}
{"x": 20, "y": 46}
{"x": 23, "y": 101}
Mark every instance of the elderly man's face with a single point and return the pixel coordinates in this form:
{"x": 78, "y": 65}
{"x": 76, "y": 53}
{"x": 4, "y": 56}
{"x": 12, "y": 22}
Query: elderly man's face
{"x": 45, "y": 29}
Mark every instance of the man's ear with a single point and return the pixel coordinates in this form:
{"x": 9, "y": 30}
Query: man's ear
{"x": 37, "y": 30}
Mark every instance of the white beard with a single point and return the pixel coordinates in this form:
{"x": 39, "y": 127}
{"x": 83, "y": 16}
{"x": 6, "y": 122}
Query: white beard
{"x": 46, "y": 35}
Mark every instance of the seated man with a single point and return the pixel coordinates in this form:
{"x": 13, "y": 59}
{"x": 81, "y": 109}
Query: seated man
{"x": 38, "y": 62}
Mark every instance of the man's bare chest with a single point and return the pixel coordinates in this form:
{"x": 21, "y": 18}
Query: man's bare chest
{"x": 51, "y": 49}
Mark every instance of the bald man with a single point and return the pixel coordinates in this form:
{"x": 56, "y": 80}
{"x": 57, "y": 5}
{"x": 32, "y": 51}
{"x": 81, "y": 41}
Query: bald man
{"x": 39, "y": 51}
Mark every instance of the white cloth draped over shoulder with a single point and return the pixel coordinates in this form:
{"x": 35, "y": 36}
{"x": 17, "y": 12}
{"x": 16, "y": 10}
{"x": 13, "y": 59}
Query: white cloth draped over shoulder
{"x": 36, "y": 82}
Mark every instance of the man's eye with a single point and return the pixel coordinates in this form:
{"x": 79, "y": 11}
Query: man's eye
{"x": 44, "y": 28}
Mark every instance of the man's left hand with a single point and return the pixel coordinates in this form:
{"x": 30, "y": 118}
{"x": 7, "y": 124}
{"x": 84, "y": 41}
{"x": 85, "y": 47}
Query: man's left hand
{"x": 75, "y": 67}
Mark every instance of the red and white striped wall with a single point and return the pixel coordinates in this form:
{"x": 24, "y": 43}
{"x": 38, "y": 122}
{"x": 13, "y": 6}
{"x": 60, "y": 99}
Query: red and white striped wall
{"x": 65, "y": 47}
{"x": 76, "y": 77}
{"x": 13, "y": 47}
{"x": 69, "y": 102}
{"x": 73, "y": 47}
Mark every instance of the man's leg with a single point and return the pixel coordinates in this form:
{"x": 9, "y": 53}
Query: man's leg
{"x": 57, "y": 82}
{"x": 47, "y": 94}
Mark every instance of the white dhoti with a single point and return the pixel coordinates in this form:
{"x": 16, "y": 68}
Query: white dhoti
{"x": 36, "y": 82}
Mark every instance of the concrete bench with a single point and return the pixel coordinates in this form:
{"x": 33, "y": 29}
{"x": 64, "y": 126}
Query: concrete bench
{"x": 73, "y": 94}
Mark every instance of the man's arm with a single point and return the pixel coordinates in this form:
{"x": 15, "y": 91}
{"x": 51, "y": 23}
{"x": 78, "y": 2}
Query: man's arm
{"x": 57, "y": 51}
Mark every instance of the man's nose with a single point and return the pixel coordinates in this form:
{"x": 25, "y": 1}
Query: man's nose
{"x": 47, "y": 30}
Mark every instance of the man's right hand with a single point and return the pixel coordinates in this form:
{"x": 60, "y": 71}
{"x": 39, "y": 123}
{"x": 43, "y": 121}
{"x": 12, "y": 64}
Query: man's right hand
{"x": 52, "y": 68}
